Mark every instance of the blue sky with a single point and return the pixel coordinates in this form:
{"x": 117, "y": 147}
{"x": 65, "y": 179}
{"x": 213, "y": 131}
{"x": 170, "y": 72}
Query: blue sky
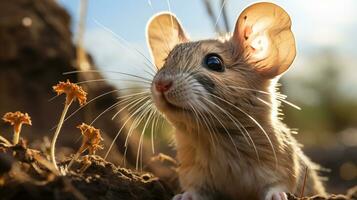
{"x": 317, "y": 24}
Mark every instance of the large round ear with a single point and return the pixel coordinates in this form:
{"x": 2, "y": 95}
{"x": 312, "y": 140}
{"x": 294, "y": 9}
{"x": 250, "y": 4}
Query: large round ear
{"x": 164, "y": 32}
{"x": 264, "y": 38}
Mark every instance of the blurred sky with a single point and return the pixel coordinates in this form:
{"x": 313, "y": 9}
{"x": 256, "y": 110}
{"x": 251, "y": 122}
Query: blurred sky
{"x": 318, "y": 25}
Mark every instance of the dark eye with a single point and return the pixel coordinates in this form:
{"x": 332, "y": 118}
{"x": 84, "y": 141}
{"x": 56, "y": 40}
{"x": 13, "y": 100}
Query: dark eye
{"x": 214, "y": 62}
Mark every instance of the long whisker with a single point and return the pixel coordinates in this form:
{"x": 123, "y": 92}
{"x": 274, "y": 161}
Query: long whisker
{"x": 279, "y": 97}
{"x": 100, "y": 71}
{"x": 221, "y": 123}
{"x": 99, "y": 96}
{"x": 220, "y": 13}
{"x": 255, "y": 90}
{"x": 146, "y": 96}
{"x": 150, "y": 113}
{"x": 207, "y": 122}
{"x": 156, "y": 116}
{"x": 167, "y": 49}
{"x": 255, "y": 121}
{"x": 125, "y": 43}
{"x": 80, "y": 108}
{"x": 92, "y": 100}
{"x": 240, "y": 126}
{"x": 108, "y": 109}
{"x": 53, "y": 98}
{"x": 136, "y": 122}
{"x": 113, "y": 79}
{"x": 133, "y": 104}
{"x": 142, "y": 109}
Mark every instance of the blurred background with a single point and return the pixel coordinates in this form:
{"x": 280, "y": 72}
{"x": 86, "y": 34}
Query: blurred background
{"x": 322, "y": 80}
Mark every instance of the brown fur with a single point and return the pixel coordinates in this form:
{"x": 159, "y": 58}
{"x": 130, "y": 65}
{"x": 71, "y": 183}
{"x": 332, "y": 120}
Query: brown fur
{"x": 230, "y": 141}
{"x": 205, "y": 164}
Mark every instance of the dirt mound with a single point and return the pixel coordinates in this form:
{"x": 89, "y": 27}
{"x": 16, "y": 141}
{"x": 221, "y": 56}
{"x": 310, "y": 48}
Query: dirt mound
{"x": 26, "y": 174}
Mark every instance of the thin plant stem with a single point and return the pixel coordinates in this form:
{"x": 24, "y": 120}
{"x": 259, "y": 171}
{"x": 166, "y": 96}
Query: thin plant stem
{"x": 16, "y": 137}
{"x": 75, "y": 157}
{"x": 54, "y": 139}
{"x": 304, "y": 183}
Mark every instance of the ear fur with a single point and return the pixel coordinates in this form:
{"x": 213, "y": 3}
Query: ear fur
{"x": 263, "y": 35}
{"x": 163, "y": 33}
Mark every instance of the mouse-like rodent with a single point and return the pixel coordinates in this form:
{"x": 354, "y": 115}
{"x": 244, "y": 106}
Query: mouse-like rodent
{"x": 220, "y": 96}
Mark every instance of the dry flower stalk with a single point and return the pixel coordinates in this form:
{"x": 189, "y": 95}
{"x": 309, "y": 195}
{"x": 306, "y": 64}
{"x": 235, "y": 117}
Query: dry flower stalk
{"x": 91, "y": 141}
{"x": 72, "y": 92}
{"x": 16, "y": 119}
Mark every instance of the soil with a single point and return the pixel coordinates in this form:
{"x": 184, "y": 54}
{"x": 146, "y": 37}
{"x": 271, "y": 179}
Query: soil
{"x": 351, "y": 195}
{"x": 26, "y": 174}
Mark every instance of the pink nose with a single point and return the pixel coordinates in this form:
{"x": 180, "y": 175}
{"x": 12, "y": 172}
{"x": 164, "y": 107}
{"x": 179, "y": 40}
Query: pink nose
{"x": 163, "y": 86}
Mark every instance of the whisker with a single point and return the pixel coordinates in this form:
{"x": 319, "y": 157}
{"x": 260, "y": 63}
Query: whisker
{"x": 169, "y": 7}
{"x": 135, "y": 124}
{"x": 95, "y": 98}
{"x": 133, "y": 101}
{"x": 279, "y": 96}
{"x": 150, "y": 112}
{"x": 53, "y": 98}
{"x": 106, "y": 110}
{"x": 255, "y": 121}
{"x": 220, "y": 13}
{"x": 112, "y": 79}
{"x": 240, "y": 127}
{"x": 221, "y": 123}
{"x": 167, "y": 49}
{"x": 121, "y": 128}
{"x": 211, "y": 129}
{"x": 80, "y": 108}
{"x": 255, "y": 90}
{"x": 198, "y": 124}
{"x": 100, "y": 71}
{"x": 125, "y": 43}
{"x": 290, "y": 104}
{"x": 152, "y": 129}
{"x": 143, "y": 112}
{"x": 265, "y": 102}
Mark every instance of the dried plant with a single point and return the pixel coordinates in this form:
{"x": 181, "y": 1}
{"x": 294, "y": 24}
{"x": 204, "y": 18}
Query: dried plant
{"x": 91, "y": 141}
{"x": 16, "y": 119}
{"x": 72, "y": 92}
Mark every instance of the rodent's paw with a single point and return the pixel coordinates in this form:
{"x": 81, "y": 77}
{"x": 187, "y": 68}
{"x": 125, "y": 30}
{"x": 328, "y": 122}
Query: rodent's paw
{"x": 177, "y": 197}
{"x": 276, "y": 196}
{"x": 185, "y": 196}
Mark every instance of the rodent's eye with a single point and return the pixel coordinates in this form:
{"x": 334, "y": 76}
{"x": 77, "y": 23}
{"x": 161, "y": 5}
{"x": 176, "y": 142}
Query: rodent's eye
{"x": 214, "y": 62}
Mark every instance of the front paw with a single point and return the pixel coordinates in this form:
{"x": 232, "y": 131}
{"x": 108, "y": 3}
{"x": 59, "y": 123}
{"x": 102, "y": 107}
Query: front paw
{"x": 186, "y": 196}
{"x": 276, "y": 196}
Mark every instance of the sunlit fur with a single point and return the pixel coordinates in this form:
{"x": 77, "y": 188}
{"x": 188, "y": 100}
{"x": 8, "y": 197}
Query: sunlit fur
{"x": 229, "y": 140}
